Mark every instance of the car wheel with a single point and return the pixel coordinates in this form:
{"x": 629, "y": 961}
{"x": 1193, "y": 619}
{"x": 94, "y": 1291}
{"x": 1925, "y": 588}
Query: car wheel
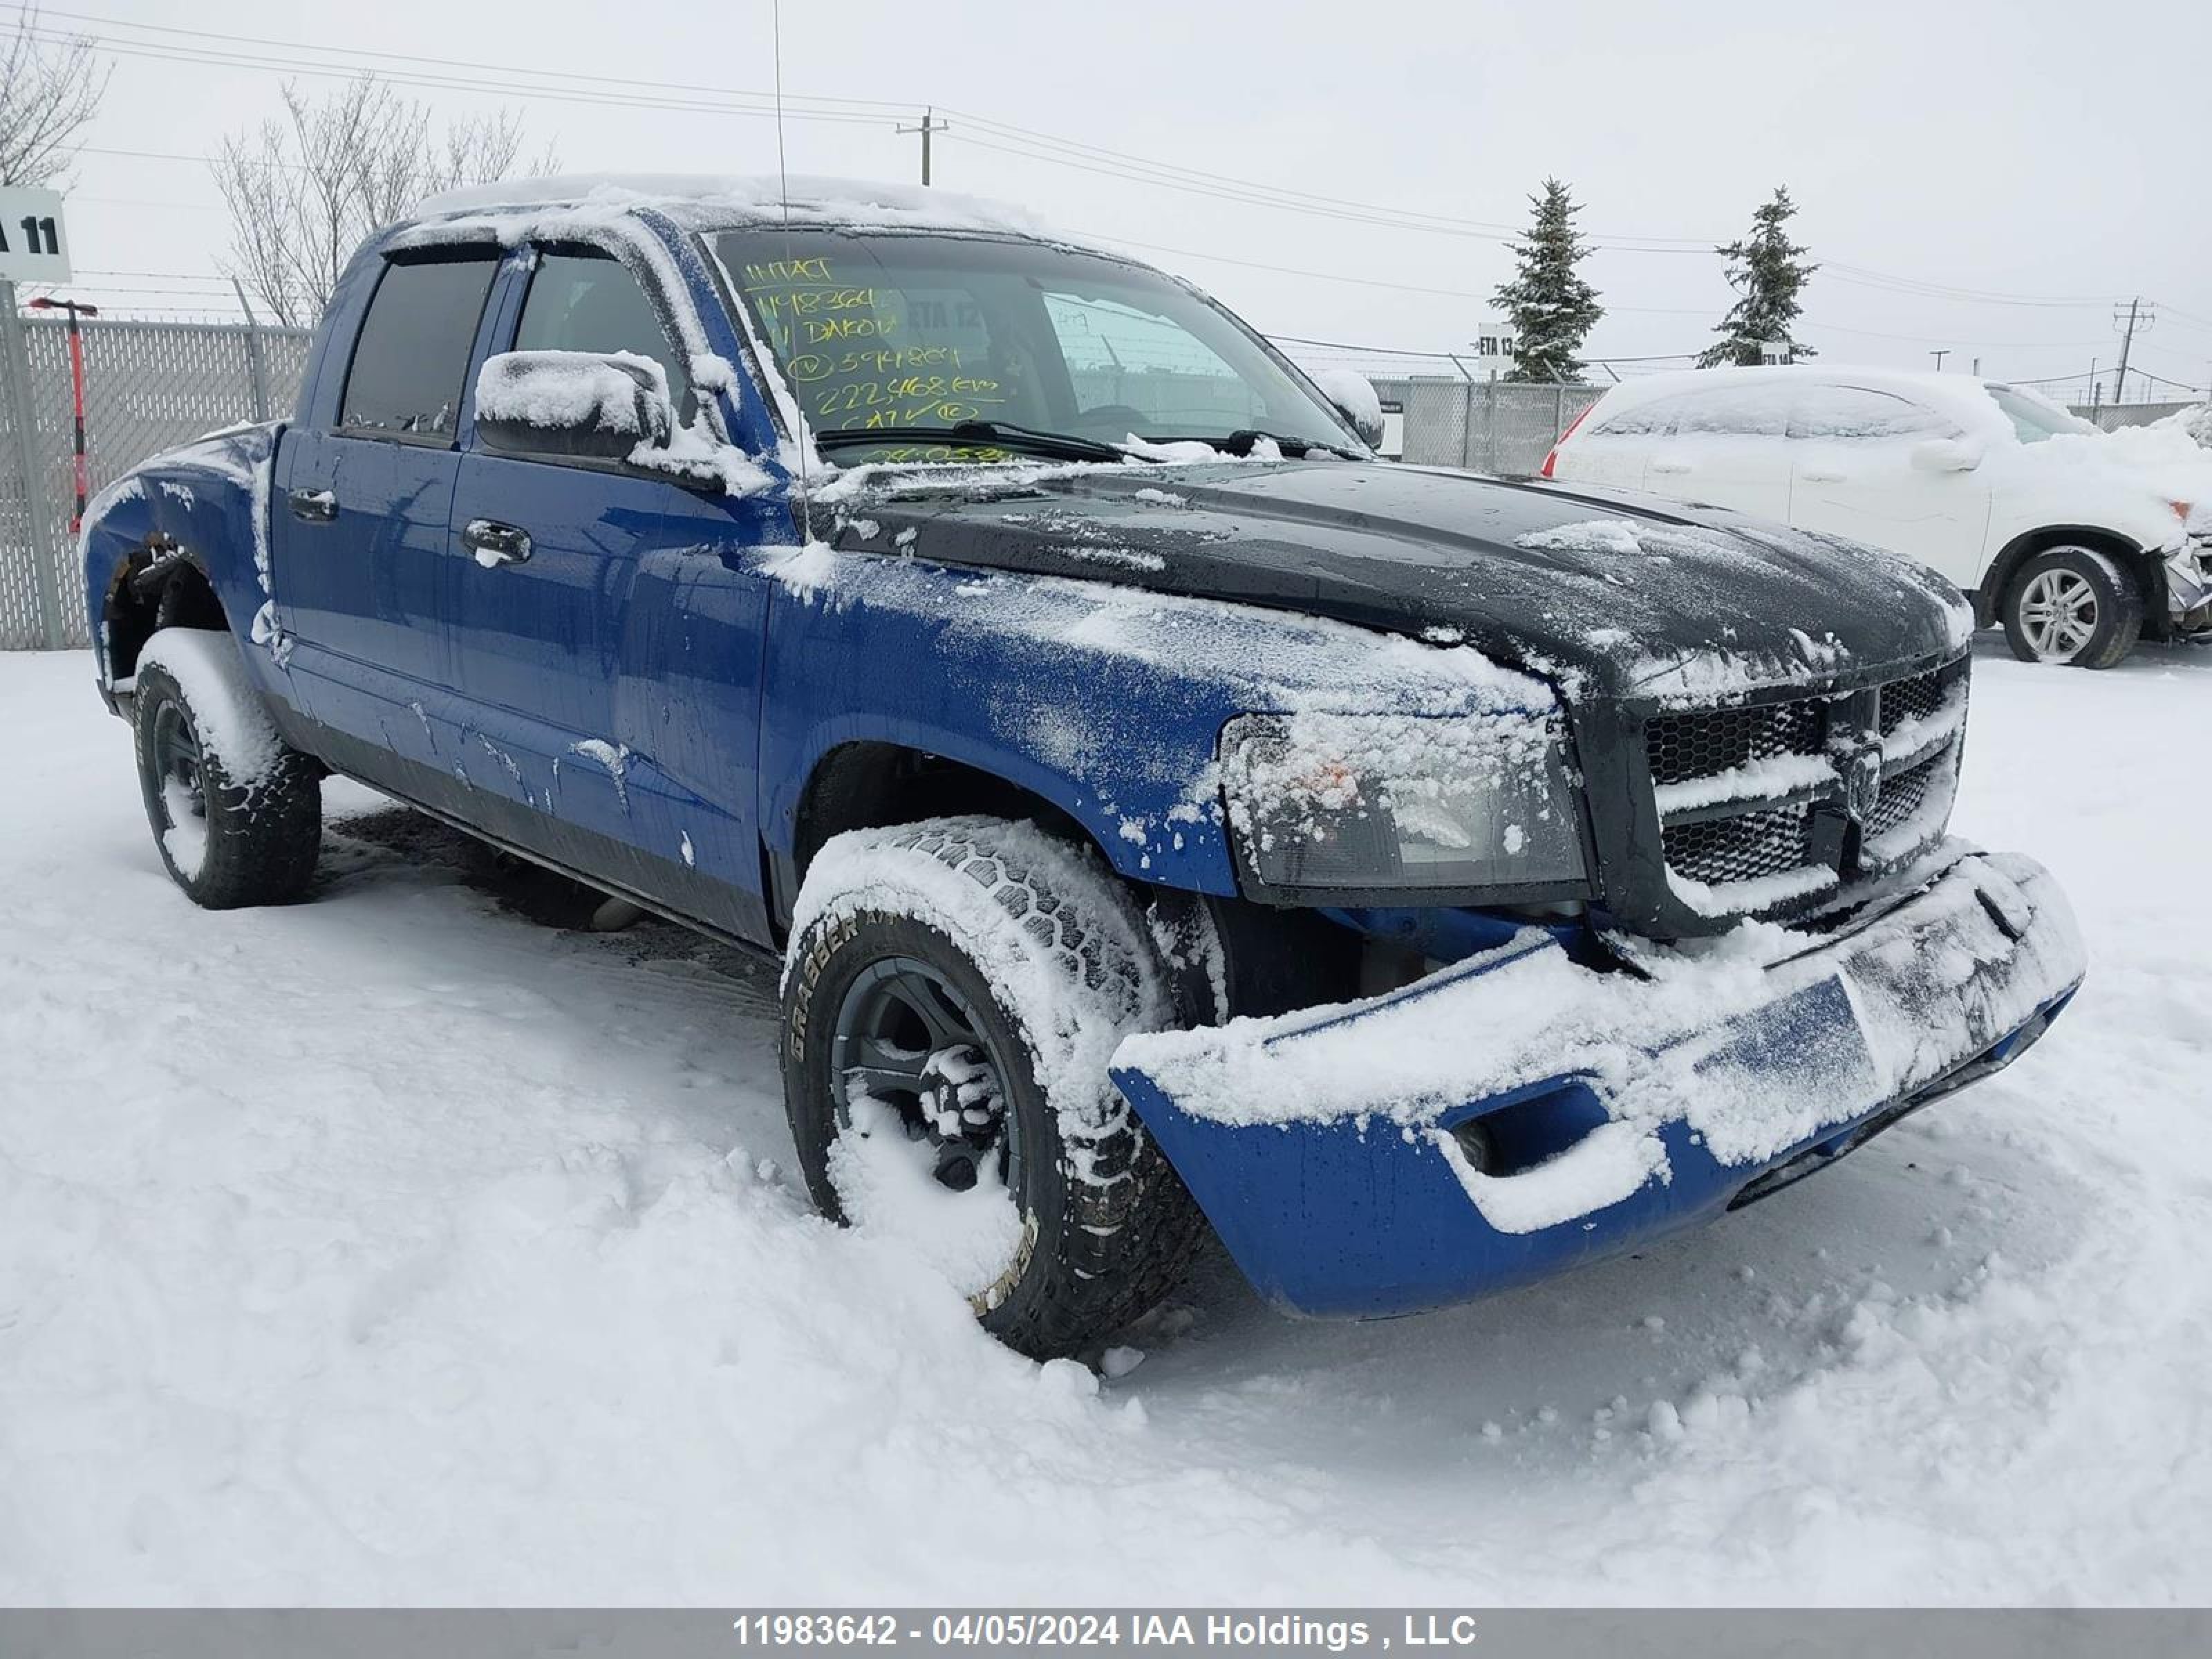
{"x": 237, "y": 815}
{"x": 951, "y": 994}
{"x": 2072, "y": 605}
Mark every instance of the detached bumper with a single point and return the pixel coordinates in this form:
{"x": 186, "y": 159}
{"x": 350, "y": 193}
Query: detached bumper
{"x": 2189, "y": 587}
{"x": 1517, "y": 1115}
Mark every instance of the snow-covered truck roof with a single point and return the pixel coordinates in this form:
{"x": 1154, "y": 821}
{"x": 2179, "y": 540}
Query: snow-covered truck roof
{"x": 706, "y": 200}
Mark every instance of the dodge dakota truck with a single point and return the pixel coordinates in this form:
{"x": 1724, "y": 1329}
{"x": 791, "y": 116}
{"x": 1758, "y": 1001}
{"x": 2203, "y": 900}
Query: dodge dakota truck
{"x": 1168, "y": 816}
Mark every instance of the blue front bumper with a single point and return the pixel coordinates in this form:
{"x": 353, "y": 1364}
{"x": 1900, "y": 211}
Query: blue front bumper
{"x": 1333, "y": 1151}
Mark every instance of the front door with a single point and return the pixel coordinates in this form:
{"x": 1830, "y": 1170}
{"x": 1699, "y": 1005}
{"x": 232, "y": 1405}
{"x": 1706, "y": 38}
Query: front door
{"x": 1855, "y": 476}
{"x": 607, "y": 631}
{"x": 357, "y": 518}
{"x": 1727, "y": 447}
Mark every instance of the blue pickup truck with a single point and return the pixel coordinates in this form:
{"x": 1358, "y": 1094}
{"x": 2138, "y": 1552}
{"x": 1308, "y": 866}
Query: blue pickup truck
{"x": 1168, "y": 815}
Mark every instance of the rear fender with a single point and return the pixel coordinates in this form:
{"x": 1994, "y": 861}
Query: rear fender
{"x": 204, "y": 505}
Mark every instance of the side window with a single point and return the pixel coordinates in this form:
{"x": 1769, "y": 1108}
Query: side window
{"x": 413, "y": 351}
{"x": 1652, "y": 420}
{"x": 1735, "y": 412}
{"x": 582, "y": 301}
{"x": 1849, "y": 412}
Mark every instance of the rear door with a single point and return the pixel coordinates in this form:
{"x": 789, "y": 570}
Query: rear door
{"x": 1854, "y": 476}
{"x": 609, "y": 672}
{"x": 1729, "y": 446}
{"x": 357, "y": 521}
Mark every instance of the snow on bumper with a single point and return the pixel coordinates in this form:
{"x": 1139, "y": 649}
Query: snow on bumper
{"x": 1516, "y": 1113}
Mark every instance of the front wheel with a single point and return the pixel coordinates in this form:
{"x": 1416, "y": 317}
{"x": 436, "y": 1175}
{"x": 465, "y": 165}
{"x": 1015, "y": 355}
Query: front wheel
{"x": 236, "y": 813}
{"x": 2073, "y": 606}
{"x": 952, "y": 993}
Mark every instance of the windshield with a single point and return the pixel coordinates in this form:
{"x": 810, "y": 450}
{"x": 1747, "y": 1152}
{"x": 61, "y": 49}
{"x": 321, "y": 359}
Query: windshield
{"x": 2033, "y": 420}
{"x": 912, "y": 335}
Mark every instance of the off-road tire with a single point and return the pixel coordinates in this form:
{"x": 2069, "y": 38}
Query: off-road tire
{"x": 1109, "y": 1228}
{"x": 263, "y": 830}
{"x": 2118, "y": 599}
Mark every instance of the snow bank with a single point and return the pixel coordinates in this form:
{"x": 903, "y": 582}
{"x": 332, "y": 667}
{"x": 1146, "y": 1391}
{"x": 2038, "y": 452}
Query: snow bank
{"x": 888, "y": 1190}
{"x": 2196, "y": 423}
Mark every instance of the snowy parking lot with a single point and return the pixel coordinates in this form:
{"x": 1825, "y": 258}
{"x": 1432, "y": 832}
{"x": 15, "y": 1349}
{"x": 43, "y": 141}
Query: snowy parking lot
{"x": 407, "y": 1245}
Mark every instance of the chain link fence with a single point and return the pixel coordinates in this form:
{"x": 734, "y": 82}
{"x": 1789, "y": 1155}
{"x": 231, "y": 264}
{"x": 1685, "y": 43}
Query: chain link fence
{"x": 2111, "y": 417}
{"x": 1487, "y": 425}
{"x": 147, "y": 387}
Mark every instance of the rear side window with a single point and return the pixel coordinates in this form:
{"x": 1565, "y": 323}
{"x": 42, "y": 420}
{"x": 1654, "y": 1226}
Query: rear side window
{"x": 590, "y": 302}
{"x": 1651, "y": 420}
{"x": 413, "y": 352}
{"x": 1854, "y": 413}
{"x": 1735, "y": 412}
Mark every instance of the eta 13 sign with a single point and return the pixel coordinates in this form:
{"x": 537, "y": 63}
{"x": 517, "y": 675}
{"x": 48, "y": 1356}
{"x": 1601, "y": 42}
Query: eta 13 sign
{"x": 33, "y": 246}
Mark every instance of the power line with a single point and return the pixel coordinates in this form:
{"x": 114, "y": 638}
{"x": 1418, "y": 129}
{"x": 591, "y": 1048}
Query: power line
{"x": 1024, "y": 142}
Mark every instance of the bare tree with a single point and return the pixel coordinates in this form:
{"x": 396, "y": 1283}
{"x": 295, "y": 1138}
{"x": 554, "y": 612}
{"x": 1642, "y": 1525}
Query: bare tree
{"x": 50, "y": 84}
{"x": 303, "y": 191}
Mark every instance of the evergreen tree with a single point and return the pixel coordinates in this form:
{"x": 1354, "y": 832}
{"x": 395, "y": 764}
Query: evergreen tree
{"x": 1552, "y": 309}
{"x": 1768, "y": 272}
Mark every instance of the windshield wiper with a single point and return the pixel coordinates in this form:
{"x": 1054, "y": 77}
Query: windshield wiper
{"x": 1061, "y": 445}
{"x": 1245, "y": 439}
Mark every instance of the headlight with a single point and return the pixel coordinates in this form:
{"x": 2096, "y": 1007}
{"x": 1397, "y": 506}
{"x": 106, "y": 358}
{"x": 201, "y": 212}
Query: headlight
{"x": 1346, "y": 804}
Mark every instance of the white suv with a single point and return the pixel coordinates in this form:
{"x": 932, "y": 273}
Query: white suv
{"x": 2075, "y": 541}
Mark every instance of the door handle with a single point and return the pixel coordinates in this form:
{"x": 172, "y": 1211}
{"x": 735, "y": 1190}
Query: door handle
{"x": 1811, "y": 474}
{"x": 1670, "y": 467}
{"x": 494, "y": 543}
{"x": 313, "y": 506}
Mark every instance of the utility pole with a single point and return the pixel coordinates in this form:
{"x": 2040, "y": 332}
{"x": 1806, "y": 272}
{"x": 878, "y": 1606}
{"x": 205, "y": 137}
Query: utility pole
{"x": 929, "y": 124}
{"x": 2127, "y": 340}
{"x": 1939, "y": 357}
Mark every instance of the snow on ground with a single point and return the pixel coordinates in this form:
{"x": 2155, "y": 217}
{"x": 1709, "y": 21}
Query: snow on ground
{"x": 399, "y": 1246}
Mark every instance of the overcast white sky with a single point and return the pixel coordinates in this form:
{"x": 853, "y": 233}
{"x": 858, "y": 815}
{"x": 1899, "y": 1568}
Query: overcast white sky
{"x": 2023, "y": 151}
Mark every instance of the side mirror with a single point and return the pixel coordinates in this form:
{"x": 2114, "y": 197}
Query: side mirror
{"x": 573, "y": 403}
{"x": 1947, "y": 455}
{"x": 1354, "y": 398}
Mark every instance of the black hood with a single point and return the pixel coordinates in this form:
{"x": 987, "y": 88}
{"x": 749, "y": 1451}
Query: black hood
{"x": 1611, "y": 594}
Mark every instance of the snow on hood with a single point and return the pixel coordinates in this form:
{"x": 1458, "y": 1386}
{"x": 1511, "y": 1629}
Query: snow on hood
{"x": 2161, "y": 461}
{"x": 1607, "y": 595}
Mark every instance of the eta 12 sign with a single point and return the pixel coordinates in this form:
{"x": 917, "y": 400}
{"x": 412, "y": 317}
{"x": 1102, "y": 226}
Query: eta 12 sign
{"x": 33, "y": 246}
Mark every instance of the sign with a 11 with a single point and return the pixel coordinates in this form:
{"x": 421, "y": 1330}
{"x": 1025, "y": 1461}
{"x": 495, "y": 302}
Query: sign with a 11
{"x": 34, "y": 246}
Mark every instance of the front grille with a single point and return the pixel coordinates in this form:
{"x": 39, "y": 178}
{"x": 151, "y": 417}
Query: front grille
{"x": 1902, "y": 795}
{"x": 1743, "y": 848}
{"x": 1723, "y": 846}
{"x": 1913, "y": 699}
{"x": 1699, "y": 743}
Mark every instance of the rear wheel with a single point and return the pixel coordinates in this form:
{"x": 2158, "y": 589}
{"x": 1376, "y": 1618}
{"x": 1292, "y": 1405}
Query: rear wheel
{"x": 236, "y": 814}
{"x": 952, "y": 995}
{"x": 2074, "y": 606}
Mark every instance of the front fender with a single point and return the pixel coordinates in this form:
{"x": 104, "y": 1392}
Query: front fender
{"x": 1107, "y": 701}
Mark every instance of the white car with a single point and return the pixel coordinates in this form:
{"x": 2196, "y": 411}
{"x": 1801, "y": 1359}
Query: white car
{"x": 2075, "y": 541}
